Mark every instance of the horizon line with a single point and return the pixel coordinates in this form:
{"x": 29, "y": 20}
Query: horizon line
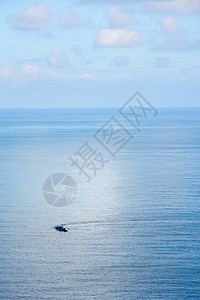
{"x": 90, "y": 107}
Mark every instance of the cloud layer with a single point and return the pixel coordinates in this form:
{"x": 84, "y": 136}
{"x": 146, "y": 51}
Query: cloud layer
{"x": 57, "y": 58}
{"x": 116, "y": 17}
{"x": 71, "y": 19}
{"x": 34, "y": 17}
{"x": 178, "y": 6}
{"x": 169, "y": 25}
{"x": 117, "y": 38}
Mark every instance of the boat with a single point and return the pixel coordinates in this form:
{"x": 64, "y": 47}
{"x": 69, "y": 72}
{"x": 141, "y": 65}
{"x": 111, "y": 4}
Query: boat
{"x": 61, "y": 228}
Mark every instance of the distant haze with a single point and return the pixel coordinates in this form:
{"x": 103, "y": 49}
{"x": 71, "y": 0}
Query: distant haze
{"x": 85, "y": 53}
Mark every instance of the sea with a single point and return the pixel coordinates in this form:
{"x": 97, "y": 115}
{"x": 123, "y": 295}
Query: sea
{"x": 134, "y": 223}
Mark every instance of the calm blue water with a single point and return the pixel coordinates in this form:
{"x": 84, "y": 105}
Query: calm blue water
{"x": 134, "y": 229}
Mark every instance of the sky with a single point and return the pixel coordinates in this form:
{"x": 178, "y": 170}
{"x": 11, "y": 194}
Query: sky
{"x": 98, "y": 53}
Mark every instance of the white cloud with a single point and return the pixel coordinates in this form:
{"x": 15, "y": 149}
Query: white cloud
{"x": 175, "y": 38}
{"x": 118, "y": 18}
{"x": 179, "y": 6}
{"x": 71, "y": 19}
{"x": 29, "y": 68}
{"x": 6, "y": 71}
{"x": 117, "y": 37}
{"x": 26, "y": 73}
{"x": 177, "y": 42}
{"x": 162, "y": 62}
{"x": 87, "y": 76}
{"x": 57, "y": 58}
{"x": 121, "y": 61}
{"x": 17, "y": 76}
{"x": 169, "y": 25}
{"x": 35, "y": 17}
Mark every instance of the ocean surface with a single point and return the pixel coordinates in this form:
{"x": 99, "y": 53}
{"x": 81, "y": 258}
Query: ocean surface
{"x": 134, "y": 229}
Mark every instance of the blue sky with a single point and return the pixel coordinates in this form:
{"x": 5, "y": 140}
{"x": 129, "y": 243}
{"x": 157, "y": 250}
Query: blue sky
{"x": 98, "y": 53}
